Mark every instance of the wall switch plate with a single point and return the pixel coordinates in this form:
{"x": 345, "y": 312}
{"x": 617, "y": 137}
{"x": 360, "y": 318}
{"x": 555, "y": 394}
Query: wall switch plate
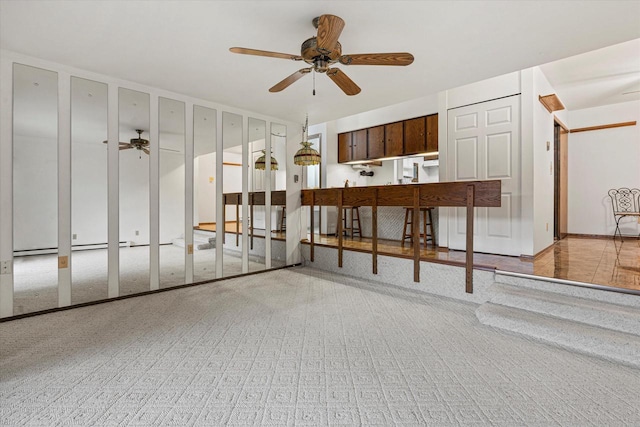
{"x": 74, "y": 237}
{"x": 548, "y": 145}
{"x": 137, "y": 232}
{"x": 295, "y": 178}
{"x": 6, "y": 267}
{"x": 63, "y": 262}
{"x": 547, "y": 226}
{"x": 190, "y": 249}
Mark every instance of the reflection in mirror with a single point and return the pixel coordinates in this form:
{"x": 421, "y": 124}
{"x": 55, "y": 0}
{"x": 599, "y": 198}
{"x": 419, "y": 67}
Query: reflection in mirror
{"x": 35, "y": 188}
{"x": 133, "y": 109}
{"x": 204, "y": 194}
{"x": 172, "y": 152}
{"x": 278, "y": 195}
{"x": 232, "y": 193}
{"x": 257, "y": 164}
{"x": 313, "y": 180}
{"x": 88, "y": 190}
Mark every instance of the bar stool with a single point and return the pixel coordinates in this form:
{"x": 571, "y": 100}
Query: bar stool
{"x": 283, "y": 219}
{"x": 353, "y": 220}
{"x": 428, "y": 233}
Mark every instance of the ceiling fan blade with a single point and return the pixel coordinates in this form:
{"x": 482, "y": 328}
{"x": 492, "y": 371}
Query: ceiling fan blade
{"x": 125, "y": 147}
{"x": 397, "y": 58}
{"x": 329, "y": 30}
{"x": 343, "y": 81}
{"x": 146, "y": 150}
{"x": 171, "y": 150}
{"x": 290, "y": 80}
{"x": 120, "y": 143}
{"x": 267, "y": 53}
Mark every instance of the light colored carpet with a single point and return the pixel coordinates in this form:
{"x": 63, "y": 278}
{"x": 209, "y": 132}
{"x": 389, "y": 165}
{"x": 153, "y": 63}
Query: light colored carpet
{"x": 297, "y": 347}
{"x": 36, "y": 277}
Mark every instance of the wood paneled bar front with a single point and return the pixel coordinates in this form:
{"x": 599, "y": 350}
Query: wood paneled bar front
{"x": 256, "y": 198}
{"x": 467, "y": 194}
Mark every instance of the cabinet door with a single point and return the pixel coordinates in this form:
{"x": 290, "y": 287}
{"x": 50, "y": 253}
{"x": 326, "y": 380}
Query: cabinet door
{"x": 375, "y": 142}
{"x": 344, "y": 147}
{"x": 394, "y": 136}
{"x": 432, "y": 133}
{"x": 414, "y": 136}
{"x": 359, "y": 142}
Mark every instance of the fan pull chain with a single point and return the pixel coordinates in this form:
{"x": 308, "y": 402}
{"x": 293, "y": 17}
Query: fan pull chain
{"x": 314, "y": 83}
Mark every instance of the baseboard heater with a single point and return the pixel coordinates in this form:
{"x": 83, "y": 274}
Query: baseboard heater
{"x": 47, "y": 251}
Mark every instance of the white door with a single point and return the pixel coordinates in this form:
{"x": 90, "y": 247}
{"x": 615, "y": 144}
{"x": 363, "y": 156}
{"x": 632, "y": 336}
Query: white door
{"x": 483, "y": 144}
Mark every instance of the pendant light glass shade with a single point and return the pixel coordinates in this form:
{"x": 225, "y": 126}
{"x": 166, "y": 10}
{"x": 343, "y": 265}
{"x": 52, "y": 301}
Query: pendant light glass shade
{"x": 261, "y": 162}
{"x": 306, "y": 156}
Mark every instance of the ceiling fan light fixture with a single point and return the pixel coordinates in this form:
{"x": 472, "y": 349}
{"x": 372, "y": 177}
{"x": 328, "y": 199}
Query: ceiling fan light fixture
{"x": 261, "y": 162}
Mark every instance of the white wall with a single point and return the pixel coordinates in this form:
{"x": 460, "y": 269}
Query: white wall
{"x": 543, "y": 173}
{"x": 598, "y": 161}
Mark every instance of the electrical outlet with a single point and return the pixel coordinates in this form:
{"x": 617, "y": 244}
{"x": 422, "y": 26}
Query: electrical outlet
{"x": 547, "y": 226}
{"x": 551, "y": 168}
{"x": 190, "y": 249}
{"x": 548, "y": 145}
{"x": 5, "y": 267}
{"x": 74, "y": 237}
{"x": 137, "y": 233}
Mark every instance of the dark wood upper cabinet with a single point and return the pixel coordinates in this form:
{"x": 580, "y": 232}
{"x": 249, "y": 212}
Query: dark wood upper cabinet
{"x": 414, "y": 136}
{"x": 432, "y": 133}
{"x": 344, "y": 147}
{"x": 394, "y": 136}
{"x": 359, "y": 142}
{"x": 404, "y": 138}
{"x": 375, "y": 142}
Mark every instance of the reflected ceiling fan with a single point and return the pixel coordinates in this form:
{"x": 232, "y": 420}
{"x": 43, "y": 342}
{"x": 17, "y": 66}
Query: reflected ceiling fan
{"x": 139, "y": 143}
{"x": 324, "y": 50}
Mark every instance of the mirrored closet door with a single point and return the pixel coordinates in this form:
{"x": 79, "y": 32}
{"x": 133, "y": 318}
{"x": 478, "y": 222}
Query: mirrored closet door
{"x": 259, "y": 176}
{"x": 278, "y": 195}
{"x": 172, "y": 192}
{"x": 205, "y": 230}
{"x": 35, "y": 189}
{"x": 232, "y": 193}
{"x": 89, "y": 192}
{"x": 134, "y": 151}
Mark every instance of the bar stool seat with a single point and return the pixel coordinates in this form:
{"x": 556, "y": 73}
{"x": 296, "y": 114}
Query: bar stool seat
{"x": 350, "y": 223}
{"x": 428, "y": 230}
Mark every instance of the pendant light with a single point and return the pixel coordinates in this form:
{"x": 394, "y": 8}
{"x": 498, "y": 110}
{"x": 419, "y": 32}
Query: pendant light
{"x": 261, "y": 162}
{"x": 306, "y": 156}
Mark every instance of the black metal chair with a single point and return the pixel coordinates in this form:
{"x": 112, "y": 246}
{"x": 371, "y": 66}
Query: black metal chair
{"x": 625, "y": 202}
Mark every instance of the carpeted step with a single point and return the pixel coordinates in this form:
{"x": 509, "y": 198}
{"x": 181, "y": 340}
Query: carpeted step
{"x": 612, "y": 345}
{"x": 622, "y": 318}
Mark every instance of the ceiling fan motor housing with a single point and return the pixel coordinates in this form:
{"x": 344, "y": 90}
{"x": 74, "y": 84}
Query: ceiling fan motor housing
{"x": 320, "y": 61}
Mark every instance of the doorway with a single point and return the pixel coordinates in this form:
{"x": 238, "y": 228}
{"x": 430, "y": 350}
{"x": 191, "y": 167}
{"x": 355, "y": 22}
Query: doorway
{"x": 560, "y": 177}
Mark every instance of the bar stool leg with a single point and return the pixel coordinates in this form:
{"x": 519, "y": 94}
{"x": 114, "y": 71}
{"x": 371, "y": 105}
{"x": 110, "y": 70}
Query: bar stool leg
{"x": 407, "y": 213}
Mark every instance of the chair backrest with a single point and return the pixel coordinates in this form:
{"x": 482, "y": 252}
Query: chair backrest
{"x": 625, "y": 200}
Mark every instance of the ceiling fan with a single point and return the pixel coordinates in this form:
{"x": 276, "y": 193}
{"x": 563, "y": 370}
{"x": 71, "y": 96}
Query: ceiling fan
{"x": 139, "y": 143}
{"x": 324, "y": 50}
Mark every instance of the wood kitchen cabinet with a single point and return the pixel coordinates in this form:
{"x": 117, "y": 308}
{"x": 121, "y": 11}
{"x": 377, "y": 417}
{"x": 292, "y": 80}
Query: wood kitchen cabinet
{"x": 404, "y": 138}
{"x": 344, "y": 147}
{"x": 432, "y": 133}
{"x": 359, "y": 143}
{"x": 375, "y": 142}
{"x": 394, "y": 144}
{"x": 414, "y": 136}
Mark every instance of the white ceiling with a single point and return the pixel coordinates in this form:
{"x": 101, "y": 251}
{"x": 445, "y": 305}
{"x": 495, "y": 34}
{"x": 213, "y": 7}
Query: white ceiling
{"x": 183, "y": 46}
{"x": 605, "y": 76}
